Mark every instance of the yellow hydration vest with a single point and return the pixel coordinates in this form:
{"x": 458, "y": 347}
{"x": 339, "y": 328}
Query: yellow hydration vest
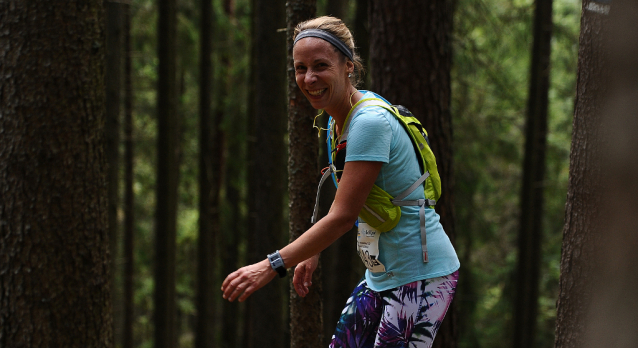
{"x": 381, "y": 210}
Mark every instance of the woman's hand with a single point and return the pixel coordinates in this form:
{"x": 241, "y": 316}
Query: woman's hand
{"x": 247, "y": 280}
{"x": 303, "y": 275}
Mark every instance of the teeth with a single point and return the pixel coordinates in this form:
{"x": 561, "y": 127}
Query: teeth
{"x": 318, "y": 92}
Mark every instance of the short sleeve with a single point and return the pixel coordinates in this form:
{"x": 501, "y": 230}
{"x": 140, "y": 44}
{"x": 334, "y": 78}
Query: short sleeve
{"x": 370, "y": 136}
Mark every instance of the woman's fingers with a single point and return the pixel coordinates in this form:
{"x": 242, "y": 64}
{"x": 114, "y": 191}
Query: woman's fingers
{"x": 238, "y": 290}
{"x": 246, "y": 280}
{"x": 249, "y": 291}
{"x": 308, "y": 278}
{"x": 298, "y": 281}
{"x": 301, "y": 280}
{"x": 295, "y": 281}
{"x": 235, "y": 284}
{"x": 229, "y": 279}
{"x": 231, "y": 285}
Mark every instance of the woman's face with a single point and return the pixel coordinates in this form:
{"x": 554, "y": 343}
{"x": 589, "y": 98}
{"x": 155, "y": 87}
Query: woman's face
{"x": 321, "y": 72}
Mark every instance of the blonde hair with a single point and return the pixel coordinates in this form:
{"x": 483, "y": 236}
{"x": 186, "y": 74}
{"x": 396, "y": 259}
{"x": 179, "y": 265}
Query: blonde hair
{"x": 336, "y": 27}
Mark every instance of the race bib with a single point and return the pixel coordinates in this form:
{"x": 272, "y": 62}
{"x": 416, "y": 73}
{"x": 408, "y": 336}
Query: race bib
{"x": 368, "y": 247}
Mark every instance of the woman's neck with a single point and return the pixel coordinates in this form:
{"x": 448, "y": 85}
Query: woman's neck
{"x": 341, "y": 111}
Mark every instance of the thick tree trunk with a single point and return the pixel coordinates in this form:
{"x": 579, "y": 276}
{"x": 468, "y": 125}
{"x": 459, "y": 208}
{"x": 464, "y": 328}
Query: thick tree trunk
{"x": 113, "y": 85}
{"x": 405, "y": 35}
{"x": 613, "y": 314}
{"x": 267, "y": 167}
{"x": 54, "y": 268}
{"x": 306, "y": 323}
{"x": 531, "y": 218}
{"x": 361, "y": 34}
{"x": 129, "y": 196}
{"x": 580, "y": 237}
{"x": 165, "y": 219}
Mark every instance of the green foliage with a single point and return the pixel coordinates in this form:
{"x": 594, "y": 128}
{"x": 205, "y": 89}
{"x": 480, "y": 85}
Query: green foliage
{"x": 492, "y": 46}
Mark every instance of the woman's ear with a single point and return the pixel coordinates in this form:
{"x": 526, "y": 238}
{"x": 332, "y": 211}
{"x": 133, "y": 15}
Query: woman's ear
{"x": 349, "y": 67}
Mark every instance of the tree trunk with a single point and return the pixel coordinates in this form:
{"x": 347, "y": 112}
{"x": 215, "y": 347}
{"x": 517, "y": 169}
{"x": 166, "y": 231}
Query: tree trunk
{"x": 129, "y": 196}
{"x": 165, "y": 219}
{"x": 531, "y": 218}
{"x": 204, "y": 333}
{"x": 306, "y": 324}
{"x": 612, "y": 316}
{"x": 425, "y": 91}
{"x": 336, "y": 8}
{"x": 112, "y": 129}
{"x": 54, "y": 242}
{"x": 361, "y": 34}
{"x": 228, "y": 164}
{"x": 580, "y": 239}
{"x": 267, "y": 166}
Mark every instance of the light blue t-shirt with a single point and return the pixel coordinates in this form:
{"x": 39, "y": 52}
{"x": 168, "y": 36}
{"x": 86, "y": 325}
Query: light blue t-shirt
{"x": 376, "y": 135}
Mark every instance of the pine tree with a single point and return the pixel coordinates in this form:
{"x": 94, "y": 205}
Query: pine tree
{"x": 405, "y": 35}
{"x": 55, "y": 265}
{"x": 306, "y": 324}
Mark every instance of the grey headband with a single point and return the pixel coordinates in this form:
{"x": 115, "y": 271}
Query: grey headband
{"x": 328, "y": 36}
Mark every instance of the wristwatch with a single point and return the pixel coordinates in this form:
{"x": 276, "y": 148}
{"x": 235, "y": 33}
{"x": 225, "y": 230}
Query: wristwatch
{"x": 277, "y": 263}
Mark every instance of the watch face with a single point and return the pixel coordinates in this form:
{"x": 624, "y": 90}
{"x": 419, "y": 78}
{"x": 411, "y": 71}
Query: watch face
{"x": 277, "y": 264}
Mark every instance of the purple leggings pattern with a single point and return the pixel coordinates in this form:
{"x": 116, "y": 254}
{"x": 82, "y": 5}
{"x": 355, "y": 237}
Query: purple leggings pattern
{"x": 404, "y": 317}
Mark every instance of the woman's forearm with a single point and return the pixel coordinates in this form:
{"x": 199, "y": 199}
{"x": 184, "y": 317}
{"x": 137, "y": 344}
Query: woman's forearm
{"x": 316, "y": 239}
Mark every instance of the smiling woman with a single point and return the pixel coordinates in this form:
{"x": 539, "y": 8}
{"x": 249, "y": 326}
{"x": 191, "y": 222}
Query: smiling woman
{"x": 407, "y": 289}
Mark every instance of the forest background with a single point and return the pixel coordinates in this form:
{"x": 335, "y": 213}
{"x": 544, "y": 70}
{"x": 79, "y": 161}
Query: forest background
{"x": 492, "y": 48}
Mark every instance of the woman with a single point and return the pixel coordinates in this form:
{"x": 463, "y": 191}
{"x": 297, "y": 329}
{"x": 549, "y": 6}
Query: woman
{"x": 404, "y": 302}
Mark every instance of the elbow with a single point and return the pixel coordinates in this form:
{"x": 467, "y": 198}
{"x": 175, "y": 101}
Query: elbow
{"x": 343, "y": 220}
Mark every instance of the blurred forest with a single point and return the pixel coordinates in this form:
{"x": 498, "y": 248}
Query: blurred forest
{"x": 492, "y": 47}
{"x": 490, "y": 84}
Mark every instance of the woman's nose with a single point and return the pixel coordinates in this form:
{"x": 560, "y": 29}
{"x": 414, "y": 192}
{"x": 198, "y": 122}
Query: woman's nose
{"x": 310, "y": 77}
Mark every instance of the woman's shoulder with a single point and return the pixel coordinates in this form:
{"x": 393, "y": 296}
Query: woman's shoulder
{"x": 372, "y": 116}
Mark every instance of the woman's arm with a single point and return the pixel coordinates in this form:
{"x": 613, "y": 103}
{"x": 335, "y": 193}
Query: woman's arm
{"x": 356, "y": 182}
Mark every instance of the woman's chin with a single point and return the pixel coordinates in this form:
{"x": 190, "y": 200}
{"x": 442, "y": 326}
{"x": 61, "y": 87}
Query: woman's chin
{"x": 317, "y": 103}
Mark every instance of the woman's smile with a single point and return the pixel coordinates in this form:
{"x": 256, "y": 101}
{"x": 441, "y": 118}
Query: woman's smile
{"x": 317, "y": 92}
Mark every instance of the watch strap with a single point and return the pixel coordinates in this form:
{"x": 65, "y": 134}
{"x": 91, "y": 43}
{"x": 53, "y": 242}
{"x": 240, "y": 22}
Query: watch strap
{"x": 277, "y": 263}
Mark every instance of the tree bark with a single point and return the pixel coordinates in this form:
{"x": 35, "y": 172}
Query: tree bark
{"x": 405, "y": 35}
{"x": 204, "y": 333}
{"x": 228, "y": 164}
{"x": 361, "y": 34}
{"x": 234, "y": 317}
{"x": 113, "y": 86}
{"x": 129, "y": 196}
{"x": 580, "y": 240}
{"x": 306, "y": 323}
{"x": 531, "y": 218}
{"x": 612, "y": 316}
{"x": 165, "y": 219}
{"x": 336, "y": 8}
{"x": 54, "y": 243}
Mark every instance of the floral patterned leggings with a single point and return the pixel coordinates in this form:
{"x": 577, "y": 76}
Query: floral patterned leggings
{"x": 404, "y": 317}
